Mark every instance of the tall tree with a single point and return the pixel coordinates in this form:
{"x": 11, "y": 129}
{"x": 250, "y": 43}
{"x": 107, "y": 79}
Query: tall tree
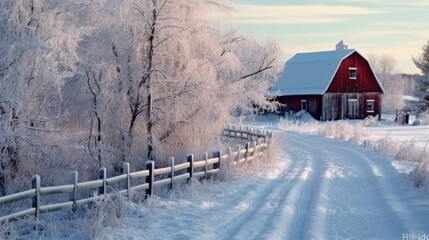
{"x": 393, "y": 83}
{"x": 422, "y": 63}
{"x": 168, "y": 76}
{"x": 31, "y": 64}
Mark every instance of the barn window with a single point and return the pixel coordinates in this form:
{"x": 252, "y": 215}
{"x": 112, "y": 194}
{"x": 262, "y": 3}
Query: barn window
{"x": 352, "y": 73}
{"x": 370, "y": 103}
{"x": 304, "y": 105}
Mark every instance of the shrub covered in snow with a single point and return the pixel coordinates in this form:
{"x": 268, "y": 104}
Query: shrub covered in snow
{"x": 337, "y": 129}
{"x": 386, "y": 145}
{"x": 8, "y": 231}
{"x": 420, "y": 174}
{"x": 408, "y": 151}
{"x": 370, "y": 121}
{"x": 423, "y": 118}
{"x": 107, "y": 211}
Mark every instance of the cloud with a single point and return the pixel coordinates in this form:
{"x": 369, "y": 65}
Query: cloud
{"x": 411, "y": 4}
{"x": 388, "y": 3}
{"x": 296, "y": 14}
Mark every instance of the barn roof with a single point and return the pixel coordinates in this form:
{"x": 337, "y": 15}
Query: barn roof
{"x": 309, "y": 73}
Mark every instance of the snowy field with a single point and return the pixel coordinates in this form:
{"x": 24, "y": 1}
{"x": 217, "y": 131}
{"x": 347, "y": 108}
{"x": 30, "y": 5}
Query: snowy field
{"x": 333, "y": 187}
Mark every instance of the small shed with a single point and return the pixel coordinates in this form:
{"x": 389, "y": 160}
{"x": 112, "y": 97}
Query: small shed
{"x": 330, "y": 85}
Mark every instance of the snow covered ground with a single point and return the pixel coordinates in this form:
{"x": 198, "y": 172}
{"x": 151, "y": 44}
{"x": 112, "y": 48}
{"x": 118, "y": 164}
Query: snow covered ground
{"x": 321, "y": 188}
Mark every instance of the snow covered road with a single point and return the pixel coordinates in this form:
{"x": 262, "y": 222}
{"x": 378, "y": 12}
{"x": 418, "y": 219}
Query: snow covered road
{"x": 358, "y": 195}
{"x": 325, "y": 189}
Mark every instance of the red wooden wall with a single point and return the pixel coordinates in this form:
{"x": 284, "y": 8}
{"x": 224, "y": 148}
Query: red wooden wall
{"x": 365, "y": 82}
{"x": 293, "y": 103}
{"x": 364, "y": 87}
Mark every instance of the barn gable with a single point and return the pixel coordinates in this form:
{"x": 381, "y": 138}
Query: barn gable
{"x": 366, "y": 80}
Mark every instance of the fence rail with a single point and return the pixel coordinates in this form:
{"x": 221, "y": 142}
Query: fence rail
{"x": 166, "y": 176}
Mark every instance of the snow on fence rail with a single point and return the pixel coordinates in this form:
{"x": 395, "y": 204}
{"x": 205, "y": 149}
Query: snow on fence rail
{"x": 165, "y": 176}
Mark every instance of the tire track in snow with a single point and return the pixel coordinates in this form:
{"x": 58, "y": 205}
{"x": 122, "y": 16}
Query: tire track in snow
{"x": 331, "y": 190}
{"x": 389, "y": 185}
{"x": 285, "y": 205}
{"x": 376, "y": 215}
{"x": 292, "y": 204}
{"x": 356, "y": 199}
{"x": 265, "y": 205}
{"x": 367, "y": 200}
{"x": 308, "y": 220}
{"x": 322, "y": 224}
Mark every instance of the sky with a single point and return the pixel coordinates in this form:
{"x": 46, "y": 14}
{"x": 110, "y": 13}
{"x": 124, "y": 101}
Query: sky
{"x": 397, "y": 28}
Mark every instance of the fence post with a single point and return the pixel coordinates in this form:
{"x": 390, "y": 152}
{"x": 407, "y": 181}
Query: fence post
{"x": 102, "y": 175}
{"x": 238, "y": 153}
{"x": 249, "y": 134}
{"x": 150, "y": 165}
{"x": 259, "y": 149}
{"x": 35, "y": 184}
{"x": 265, "y": 136}
{"x": 191, "y": 166}
{"x": 171, "y": 164}
{"x": 247, "y": 151}
{"x": 239, "y": 129}
{"x": 269, "y": 137}
{"x": 216, "y": 155}
{"x": 206, "y": 157}
{"x": 254, "y": 146}
{"x": 126, "y": 170}
{"x": 229, "y": 153}
{"x": 73, "y": 194}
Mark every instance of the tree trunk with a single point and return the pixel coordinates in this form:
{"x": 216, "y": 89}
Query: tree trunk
{"x": 2, "y": 176}
{"x": 95, "y": 94}
{"x": 147, "y": 81}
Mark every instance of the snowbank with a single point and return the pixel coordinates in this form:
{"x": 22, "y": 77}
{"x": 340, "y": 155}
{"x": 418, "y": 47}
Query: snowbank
{"x": 303, "y": 116}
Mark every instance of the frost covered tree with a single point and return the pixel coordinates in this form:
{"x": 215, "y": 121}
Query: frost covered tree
{"x": 163, "y": 79}
{"x": 132, "y": 80}
{"x": 32, "y": 63}
{"x": 394, "y": 84}
{"x": 422, "y": 63}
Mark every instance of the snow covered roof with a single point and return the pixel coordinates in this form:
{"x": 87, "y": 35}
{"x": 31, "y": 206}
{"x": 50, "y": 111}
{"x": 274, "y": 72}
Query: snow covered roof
{"x": 309, "y": 73}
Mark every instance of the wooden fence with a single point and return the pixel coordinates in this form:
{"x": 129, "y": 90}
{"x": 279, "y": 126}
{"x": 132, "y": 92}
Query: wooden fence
{"x": 152, "y": 177}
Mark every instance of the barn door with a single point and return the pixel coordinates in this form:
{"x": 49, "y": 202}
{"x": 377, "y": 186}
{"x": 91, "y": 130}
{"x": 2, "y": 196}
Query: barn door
{"x": 353, "y": 108}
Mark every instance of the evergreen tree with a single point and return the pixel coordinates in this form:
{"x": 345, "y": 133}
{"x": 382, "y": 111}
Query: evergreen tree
{"x": 422, "y": 89}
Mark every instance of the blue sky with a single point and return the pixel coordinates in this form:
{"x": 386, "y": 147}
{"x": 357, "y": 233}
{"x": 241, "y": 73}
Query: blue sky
{"x": 395, "y": 27}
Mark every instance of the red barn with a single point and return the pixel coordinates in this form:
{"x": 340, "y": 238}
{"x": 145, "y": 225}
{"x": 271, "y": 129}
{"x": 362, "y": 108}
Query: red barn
{"x": 330, "y": 85}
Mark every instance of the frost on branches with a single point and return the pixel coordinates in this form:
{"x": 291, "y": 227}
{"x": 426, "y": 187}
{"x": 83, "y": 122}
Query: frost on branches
{"x": 93, "y": 83}
{"x": 32, "y": 65}
{"x": 163, "y": 80}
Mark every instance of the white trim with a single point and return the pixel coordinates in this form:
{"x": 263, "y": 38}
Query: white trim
{"x": 353, "y": 69}
{"x": 302, "y": 104}
{"x": 339, "y": 64}
{"x": 376, "y": 78}
{"x": 372, "y": 101}
{"x": 336, "y": 70}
